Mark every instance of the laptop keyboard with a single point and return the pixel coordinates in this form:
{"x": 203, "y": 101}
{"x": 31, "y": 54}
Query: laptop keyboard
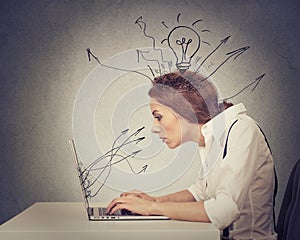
{"x": 103, "y": 211}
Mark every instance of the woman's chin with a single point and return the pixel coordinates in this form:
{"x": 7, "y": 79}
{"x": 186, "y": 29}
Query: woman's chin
{"x": 172, "y": 146}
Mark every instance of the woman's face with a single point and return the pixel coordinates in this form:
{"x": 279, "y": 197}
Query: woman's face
{"x": 170, "y": 127}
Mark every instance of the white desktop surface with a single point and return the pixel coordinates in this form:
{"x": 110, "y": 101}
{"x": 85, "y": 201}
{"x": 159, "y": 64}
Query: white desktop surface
{"x": 49, "y": 221}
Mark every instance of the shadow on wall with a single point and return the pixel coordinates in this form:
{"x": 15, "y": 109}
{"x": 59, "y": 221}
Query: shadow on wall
{"x": 12, "y": 206}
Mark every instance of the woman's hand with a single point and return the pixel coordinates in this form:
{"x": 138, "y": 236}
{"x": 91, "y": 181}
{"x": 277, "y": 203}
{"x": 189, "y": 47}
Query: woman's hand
{"x": 132, "y": 203}
{"x": 139, "y": 195}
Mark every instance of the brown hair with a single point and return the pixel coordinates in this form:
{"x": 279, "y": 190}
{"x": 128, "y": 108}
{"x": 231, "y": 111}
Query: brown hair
{"x": 189, "y": 94}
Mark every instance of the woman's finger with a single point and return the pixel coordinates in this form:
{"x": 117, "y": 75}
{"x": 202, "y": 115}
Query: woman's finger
{"x": 113, "y": 203}
{"x": 116, "y": 208}
{"x": 135, "y": 193}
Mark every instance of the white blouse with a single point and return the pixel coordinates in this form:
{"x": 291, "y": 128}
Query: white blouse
{"x": 238, "y": 190}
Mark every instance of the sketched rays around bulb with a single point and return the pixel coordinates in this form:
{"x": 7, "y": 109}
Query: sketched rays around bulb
{"x": 185, "y": 43}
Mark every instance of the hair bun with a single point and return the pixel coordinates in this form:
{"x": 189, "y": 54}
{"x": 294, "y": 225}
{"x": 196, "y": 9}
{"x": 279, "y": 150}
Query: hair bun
{"x": 224, "y": 105}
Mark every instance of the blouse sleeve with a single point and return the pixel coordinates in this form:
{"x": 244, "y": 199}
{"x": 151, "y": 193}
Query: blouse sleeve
{"x": 238, "y": 169}
{"x": 196, "y": 190}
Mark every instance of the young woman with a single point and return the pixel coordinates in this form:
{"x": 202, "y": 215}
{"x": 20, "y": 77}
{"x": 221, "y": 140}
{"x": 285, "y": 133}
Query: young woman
{"x": 234, "y": 189}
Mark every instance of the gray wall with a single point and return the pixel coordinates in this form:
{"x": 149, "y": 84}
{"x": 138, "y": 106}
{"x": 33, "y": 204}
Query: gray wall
{"x": 43, "y": 63}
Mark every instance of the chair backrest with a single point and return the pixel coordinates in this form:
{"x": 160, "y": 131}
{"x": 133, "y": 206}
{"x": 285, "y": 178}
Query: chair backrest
{"x": 288, "y": 223}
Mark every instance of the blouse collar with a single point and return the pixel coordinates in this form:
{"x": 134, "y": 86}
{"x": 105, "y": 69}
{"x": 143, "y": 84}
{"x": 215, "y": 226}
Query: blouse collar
{"x": 213, "y": 132}
{"x": 217, "y": 126}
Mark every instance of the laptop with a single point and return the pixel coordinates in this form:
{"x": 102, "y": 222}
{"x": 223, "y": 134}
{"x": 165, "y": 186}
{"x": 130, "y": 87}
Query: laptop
{"x": 99, "y": 213}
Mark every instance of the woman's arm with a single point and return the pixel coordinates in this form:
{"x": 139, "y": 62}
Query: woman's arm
{"x": 181, "y": 196}
{"x": 188, "y": 211}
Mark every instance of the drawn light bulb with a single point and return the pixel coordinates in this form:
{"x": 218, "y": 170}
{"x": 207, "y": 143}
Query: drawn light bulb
{"x": 184, "y": 42}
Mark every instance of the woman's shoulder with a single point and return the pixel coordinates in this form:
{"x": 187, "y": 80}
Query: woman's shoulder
{"x": 246, "y": 124}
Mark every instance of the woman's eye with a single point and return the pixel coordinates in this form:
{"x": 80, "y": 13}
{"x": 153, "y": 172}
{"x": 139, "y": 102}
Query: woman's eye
{"x": 158, "y": 117}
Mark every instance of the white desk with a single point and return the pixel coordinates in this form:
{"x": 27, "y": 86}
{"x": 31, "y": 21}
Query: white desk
{"x": 58, "y": 221}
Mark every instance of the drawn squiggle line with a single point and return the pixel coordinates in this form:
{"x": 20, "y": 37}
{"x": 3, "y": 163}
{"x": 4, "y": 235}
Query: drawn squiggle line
{"x": 164, "y": 24}
{"x": 143, "y": 27}
{"x": 207, "y": 43}
{"x": 86, "y": 173}
{"x": 197, "y": 59}
{"x": 109, "y": 164}
{"x": 124, "y": 143}
{"x": 140, "y": 52}
{"x": 151, "y": 70}
{"x": 178, "y": 16}
{"x": 199, "y": 20}
{"x": 108, "y": 153}
{"x": 118, "y": 161}
{"x": 210, "y": 65}
{"x": 111, "y": 154}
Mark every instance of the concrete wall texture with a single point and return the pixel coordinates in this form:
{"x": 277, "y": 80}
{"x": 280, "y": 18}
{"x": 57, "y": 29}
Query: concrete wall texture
{"x": 44, "y": 62}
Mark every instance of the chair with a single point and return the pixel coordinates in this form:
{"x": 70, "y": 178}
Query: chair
{"x": 288, "y": 223}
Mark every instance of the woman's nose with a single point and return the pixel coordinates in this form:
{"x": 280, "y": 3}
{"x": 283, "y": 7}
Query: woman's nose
{"x": 155, "y": 129}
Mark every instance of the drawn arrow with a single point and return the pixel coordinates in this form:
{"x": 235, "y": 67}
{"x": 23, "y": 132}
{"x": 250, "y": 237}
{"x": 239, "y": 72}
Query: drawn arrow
{"x": 138, "y": 131}
{"x": 125, "y": 131}
{"x": 89, "y": 52}
{"x": 143, "y": 27}
{"x": 257, "y": 81}
{"x": 113, "y": 153}
{"x": 139, "y": 140}
{"x": 236, "y": 53}
{"x": 133, "y": 154}
{"x": 222, "y": 42}
{"x": 143, "y": 169}
{"x": 138, "y": 22}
